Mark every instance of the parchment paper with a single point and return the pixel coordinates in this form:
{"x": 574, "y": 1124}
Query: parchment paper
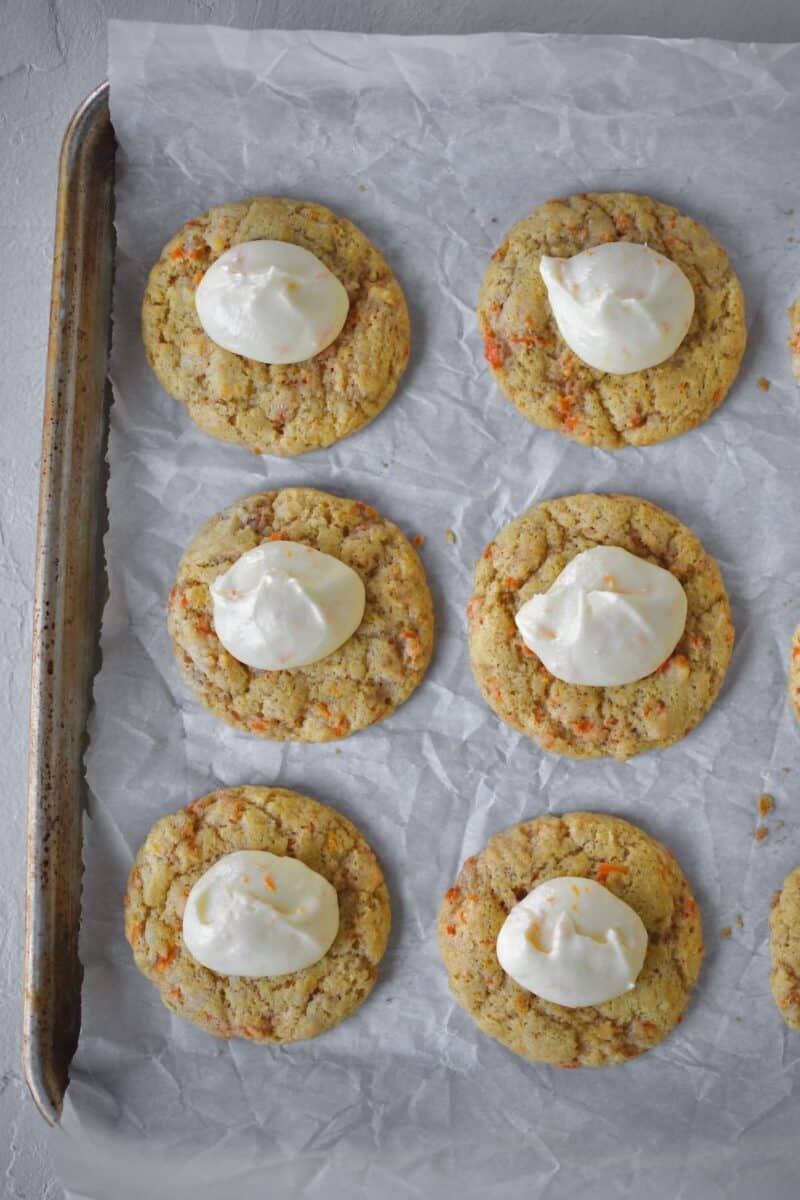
{"x": 434, "y": 147}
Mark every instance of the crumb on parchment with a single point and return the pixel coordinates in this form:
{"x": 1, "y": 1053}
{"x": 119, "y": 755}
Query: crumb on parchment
{"x": 726, "y": 932}
{"x": 763, "y": 384}
{"x": 765, "y": 804}
{"x": 451, "y": 537}
{"x": 761, "y": 833}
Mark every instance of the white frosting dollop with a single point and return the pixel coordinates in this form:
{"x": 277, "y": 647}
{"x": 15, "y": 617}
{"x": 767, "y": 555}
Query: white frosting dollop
{"x": 573, "y": 942}
{"x": 609, "y": 618}
{"x": 271, "y": 301}
{"x": 284, "y": 605}
{"x": 259, "y": 914}
{"x": 620, "y": 306}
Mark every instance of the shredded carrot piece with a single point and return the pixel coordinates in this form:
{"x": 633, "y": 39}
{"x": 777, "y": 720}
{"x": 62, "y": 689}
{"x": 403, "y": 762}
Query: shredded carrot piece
{"x": 450, "y": 929}
{"x": 163, "y": 962}
{"x": 606, "y": 869}
{"x": 418, "y": 540}
{"x": 493, "y": 351}
{"x": 177, "y": 253}
{"x": 453, "y": 895}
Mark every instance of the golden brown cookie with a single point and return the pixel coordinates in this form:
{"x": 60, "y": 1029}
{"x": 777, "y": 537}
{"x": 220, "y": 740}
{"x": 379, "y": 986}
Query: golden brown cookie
{"x": 784, "y": 946}
{"x": 363, "y": 681}
{"x": 285, "y": 1008}
{"x": 794, "y": 338}
{"x": 277, "y": 408}
{"x": 794, "y": 673}
{"x": 587, "y": 722}
{"x": 550, "y": 385}
{"x": 631, "y": 864}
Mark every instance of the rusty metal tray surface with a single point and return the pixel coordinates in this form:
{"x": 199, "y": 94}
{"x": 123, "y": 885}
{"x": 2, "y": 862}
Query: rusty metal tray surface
{"x": 69, "y": 594}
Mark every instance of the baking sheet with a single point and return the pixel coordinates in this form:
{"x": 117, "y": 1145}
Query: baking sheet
{"x": 434, "y": 146}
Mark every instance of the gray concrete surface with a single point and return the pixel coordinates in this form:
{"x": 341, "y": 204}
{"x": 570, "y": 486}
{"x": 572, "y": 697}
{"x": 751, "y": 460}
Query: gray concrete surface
{"x": 52, "y": 52}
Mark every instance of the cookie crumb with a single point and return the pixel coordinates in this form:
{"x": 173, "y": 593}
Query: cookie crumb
{"x": 726, "y": 932}
{"x": 761, "y": 833}
{"x": 494, "y": 220}
{"x": 418, "y": 540}
{"x": 765, "y": 804}
{"x": 451, "y": 537}
{"x": 738, "y": 922}
{"x": 763, "y": 384}
{"x": 362, "y": 187}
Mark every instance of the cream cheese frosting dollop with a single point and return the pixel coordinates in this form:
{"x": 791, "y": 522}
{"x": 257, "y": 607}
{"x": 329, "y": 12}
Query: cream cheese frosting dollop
{"x": 274, "y": 302}
{"x": 609, "y": 618}
{"x": 258, "y": 914}
{"x": 573, "y": 942}
{"x": 620, "y": 306}
{"x": 284, "y": 605}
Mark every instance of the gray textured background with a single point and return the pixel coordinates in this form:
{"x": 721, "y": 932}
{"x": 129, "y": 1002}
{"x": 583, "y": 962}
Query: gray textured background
{"x": 52, "y": 52}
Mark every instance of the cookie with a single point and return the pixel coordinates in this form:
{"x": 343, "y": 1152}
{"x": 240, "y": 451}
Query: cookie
{"x": 637, "y": 869}
{"x": 286, "y": 1008}
{"x": 550, "y": 385}
{"x": 277, "y": 409}
{"x": 784, "y": 946}
{"x": 794, "y": 673}
{"x": 588, "y": 722}
{"x": 363, "y": 681}
{"x": 794, "y": 339}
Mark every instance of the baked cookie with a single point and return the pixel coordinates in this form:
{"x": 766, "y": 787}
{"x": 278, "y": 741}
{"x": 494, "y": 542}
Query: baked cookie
{"x": 784, "y": 945}
{"x": 794, "y": 339}
{"x": 585, "y": 721}
{"x": 277, "y": 409}
{"x": 637, "y": 869}
{"x": 285, "y": 1008}
{"x": 363, "y": 681}
{"x": 794, "y": 673}
{"x": 550, "y": 385}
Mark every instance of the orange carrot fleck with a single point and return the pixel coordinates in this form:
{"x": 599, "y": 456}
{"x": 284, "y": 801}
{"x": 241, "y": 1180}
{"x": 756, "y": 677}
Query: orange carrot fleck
{"x": 493, "y": 351}
{"x": 450, "y": 929}
{"x": 202, "y": 626}
{"x": 178, "y": 253}
{"x": 605, "y": 869}
{"x": 270, "y": 883}
{"x": 511, "y": 583}
{"x": 453, "y": 895}
{"x": 163, "y": 962}
{"x": 583, "y": 725}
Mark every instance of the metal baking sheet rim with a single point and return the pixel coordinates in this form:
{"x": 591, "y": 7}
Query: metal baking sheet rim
{"x": 69, "y": 595}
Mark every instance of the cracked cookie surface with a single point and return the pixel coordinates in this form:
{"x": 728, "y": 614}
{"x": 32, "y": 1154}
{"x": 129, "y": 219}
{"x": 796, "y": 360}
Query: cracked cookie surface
{"x": 784, "y": 946}
{"x": 288, "y": 408}
{"x": 588, "y": 722}
{"x": 362, "y": 682}
{"x": 284, "y": 1008}
{"x": 637, "y": 869}
{"x": 550, "y": 385}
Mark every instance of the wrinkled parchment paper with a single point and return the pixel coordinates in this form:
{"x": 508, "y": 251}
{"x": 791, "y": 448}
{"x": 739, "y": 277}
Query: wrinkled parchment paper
{"x": 434, "y": 147}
